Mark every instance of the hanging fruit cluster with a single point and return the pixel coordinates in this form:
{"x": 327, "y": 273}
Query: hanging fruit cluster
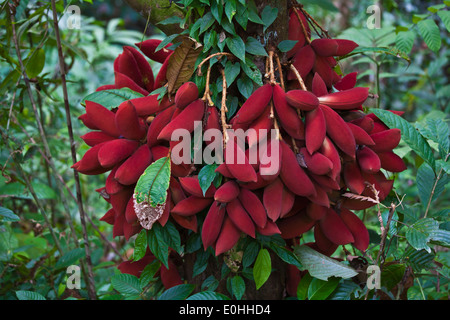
{"x": 331, "y": 153}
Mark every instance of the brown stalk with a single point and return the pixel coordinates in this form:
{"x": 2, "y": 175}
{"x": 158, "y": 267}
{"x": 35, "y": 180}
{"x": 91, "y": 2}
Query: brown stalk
{"x": 218, "y": 54}
{"x": 223, "y": 108}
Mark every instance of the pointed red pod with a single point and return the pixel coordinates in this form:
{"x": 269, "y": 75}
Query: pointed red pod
{"x": 346, "y": 99}
{"x": 102, "y": 118}
{"x": 130, "y": 214}
{"x": 166, "y": 213}
{"x": 109, "y": 217}
{"x": 319, "y": 88}
{"x": 296, "y": 32}
{"x": 324, "y": 245}
{"x": 191, "y": 206}
{"x": 320, "y": 197}
{"x": 325, "y": 182}
{"x": 303, "y": 61}
{"x": 89, "y": 162}
{"x": 118, "y": 226}
{"x": 212, "y": 122}
{"x": 112, "y": 186}
{"x": 324, "y": 67}
{"x": 254, "y": 207}
{"x": 255, "y": 105}
{"x": 362, "y": 138}
{"x": 119, "y": 201}
{"x": 273, "y": 199}
{"x": 106, "y": 87}
{"x": 391, "y": 162}
{"x": 317, "y": 163}
{"x": 149, "y": 46}
{"x": 287, "y": 116}
{"x": 386, "y": 140}
{"x": 161, "y": 78}
{"x": 335, "y": 229}
{"x": 325, "y": 47}
{"x": 212, "y": 224}
{"x": 114, "y": 151}
{"x": 170, "y": 277}
{"x": 227, "y": 192}
{"x": 192, "y": 186}
{"x": 130, "y": 171}
{"x": 228, "y": 237}
{"x": 295, "y": 225}
{"x": 347, "y": 82}
{"x": 143, "y": 73}
{"x": 158, "y": 123}
{"x": 315, "y": 211}
{"x": 240, "y": 217}
{"x": 353, "y": 177}
{"x": 88, "y": 122}
{"x": 270, "y": 162}
{"x": 269, "y": 229}
{"x": 261, "y": 127}
{"x": 357, "y": 228}
{"x": 186, "y": 93}
{"x": 292, "y": 175}
{"x": 315, "y": 129}
{"x": 338, "y": 131}
{"x": 127, "y": 122}
{"x": 329, "y": 150}
{"x": 185, "y": 120}
{"x": 368, "y": 160}
{"x": 238, "y": 164}
{"x": 176, "y": 191}
{"x": 96, "y": 137}
{"x": 288, "y": 202}
{"x": 223, "y": 170}
{"x": 364, "y": 123}
{"x": 260, "y": 183}
{"x": 189, "y": 223}
{"x": 303, "y": 100}
{"x": 345, "y": 46}
{"x": 150, "y": 104}
{"x": 123, "y": 81}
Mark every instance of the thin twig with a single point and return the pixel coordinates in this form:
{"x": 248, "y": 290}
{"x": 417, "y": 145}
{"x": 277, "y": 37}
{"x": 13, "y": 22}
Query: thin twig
{"x": 218, "y": 54}
{"x": 223, "y": 108}
{"x": 438, "y": 177}
{"x": 207, "y": 94}
{"x": 280, "y": 72}
{"x": 299, "y": 77}
{"x": 271, "y": 69}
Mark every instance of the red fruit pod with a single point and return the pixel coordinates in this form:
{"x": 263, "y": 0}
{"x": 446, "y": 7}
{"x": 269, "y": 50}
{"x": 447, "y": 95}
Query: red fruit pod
{"x": 88, "y": 122}
{"x": 302, "y": 100}
{"x": 130, "y": 214}
{"x": 185, "y": 120}
{"x": 192, "y": 186}
{"x": 227, "y": 192}
{"x": 297, "y": 31}
{"x": 287, "y": 116}
{"x": 335, "y": 229}
{"x": 170, "y": 277}
{"x": 186, "y": 93}
{"x": 303, "y": 61}
{"x": 106, "y": 87}
{"x": 96, "y": 137}
{"x": 102, "y": 118}
{"x": 127, "y": 122}
{"x": 212, "y": 121}
{"x": 129, "y": 172}
{"x": 333, "y": 47}
{"x": 212, "y": 224}
{"x": 320, "y": 197}
{"x": 238, "y": 164}
{"x": 150, "y": 104}
{"x": 319, "y": 87}
{"x": 273, "y": 199}
{"x": 260, "y": 183}
{"x": 149, "y": 46}
{"x": 270, "y": 161}
{"x": 295, "y": 225}
{"x": 347, "y": 99}
{"x": 368, "y": 160}
{"x": 255, "y": 105}
{"x": 109, "y": 217}
{"x": 119, "y": 201}
{"x": 315, "y": 129}
{"x": 353, "y": 177}
{"x": 269, "y": 229}
{"x": 191, "y": 206}
{"x": 223, "y": 170}
{"x": 357, "y": 228}
{"x": 324, "y": 66}
{"x": 317, "y": 163}
{"x": 299, "y": 206}
{"x": 365, "y": 123}
{"x": 143, "y": 72}
{"x": 112, "y": 186}
{"x": 362, "y": 138}
{"x": 89, "y": 162}
{"x": 161, "y": 78}
{"x": 114, "y": 151}
{"x": 288, "y": 202}
{"x": 292, "y": 175}
{"x": 259, "y": 128}
{"x": 339, "y": 132}
{"x": 324, "y": 245}
{"x": 228, "y": 237}
{"x": 176, "y": 191}
{"x": 166, "y": 213}
{"x": 254, "y": 207}
{"x": 386, "y": 140}
{"x": 347, "y": 82}
{"x": 123, "y": 81}
{"x": 325, "y": 182}
{"x": 240, "y": 217}
{"x": 329, "y": 150}
{"x": 391, "y": 162}
{"x": 159, "y": 122}
{"x": 315, "y": 211}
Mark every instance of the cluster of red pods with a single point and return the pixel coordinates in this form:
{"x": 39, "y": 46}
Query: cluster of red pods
{"x": 328, "y": 147}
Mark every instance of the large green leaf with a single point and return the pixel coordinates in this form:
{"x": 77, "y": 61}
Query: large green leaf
{"x": 430, "y": 33}
{"x": 321, "y": 266}
{"x": 445, "y": 17}
{"x": 140, "y": 245}
{"x": 236, "y": 46}
{"x": 179, "y": 292}
{"x": 405, "y": 41}
{"x": 112, "y": 98}
{"x": 421, "y": 232}
{"x": 409, "y": 134}
{"x": 153, "y": 184}
{"x": 320, "y": 289}
{"x": 238, "y": 286}
{"x": 208, "y": 295}
{"x": 262, "y": 268}
{"x": 427, "y": 185}
{"x": 126, "y": 284}
{"x": 8, "y": 215}
{"x": 70, "y": 258}
{"x": 29, "y": 295}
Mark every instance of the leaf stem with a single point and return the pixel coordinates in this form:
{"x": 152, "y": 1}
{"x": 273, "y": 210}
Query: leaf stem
{"x": 438, "y": 177}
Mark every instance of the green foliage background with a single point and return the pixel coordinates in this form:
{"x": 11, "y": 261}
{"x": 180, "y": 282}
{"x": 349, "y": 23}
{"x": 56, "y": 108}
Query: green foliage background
{"x": 405, "y": 62}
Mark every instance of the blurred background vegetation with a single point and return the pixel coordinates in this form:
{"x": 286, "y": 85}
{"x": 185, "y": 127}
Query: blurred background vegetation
{"x": 410, "y": 74}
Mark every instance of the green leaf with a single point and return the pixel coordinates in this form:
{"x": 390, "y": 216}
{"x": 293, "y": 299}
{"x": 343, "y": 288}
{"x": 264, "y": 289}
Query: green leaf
{"x": 208, "y": 295}
{"x": 324, "y": 4}
{"x": 420, "y": 233}
{"x": 426, "y": 180}
{"x": 8, "y": 215}
{"x": 230, "y": 9}
{"x": 179, "y": 292}
{"x": 303, "y": 285}
{"x": 379, "y": 50}
{"x": 430, "y": 33}
{"x": 418, "y": 259}
{"x": 112, "y": 98}
{"x": 237, "y": 287}
{"x": 217, "y": 11}
{"x": 391, "y": 275}
{"x": 207, "y": 22}
{"x": 149, "y": 273}
{"x": 286, "y": 255}
{"x": 153, "y": 184}
{"x": 437, "y": 130}
{"x": 170, "y": 20}
{"x": 140, "y": 245}
{"x": 320, "y": 289}
{"x": 35, "y": 63}
{"x": 405, "y": 40}
{"x": 445, "y": 17}
{"x": 255, "y": 47}
{"x": 345, "y": 290}
{"x": 253, "y": 13}
{"x": 250, "y": 253}
{"x": 262, "y": 268}
{"x": 436, "y": 8}
{"x": 245, "y": 86}
{"x": 29, "y": 295}
{"x": 286, "y": 45}
{"x": 166, "y": 41}
{"x": 70, "y": 258}
{"x": 237, "y": 47}
{"x": 252, "y": 72}
{"x": 409, "y": 134}
{"x": 206, "y": 176}
{"x": 232, "y": 70}
{"x": 126, "y": 284}
{"x": 157, "y": 245}
{"x": 321, "y": 266}
{"x": 268, "y": 16}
